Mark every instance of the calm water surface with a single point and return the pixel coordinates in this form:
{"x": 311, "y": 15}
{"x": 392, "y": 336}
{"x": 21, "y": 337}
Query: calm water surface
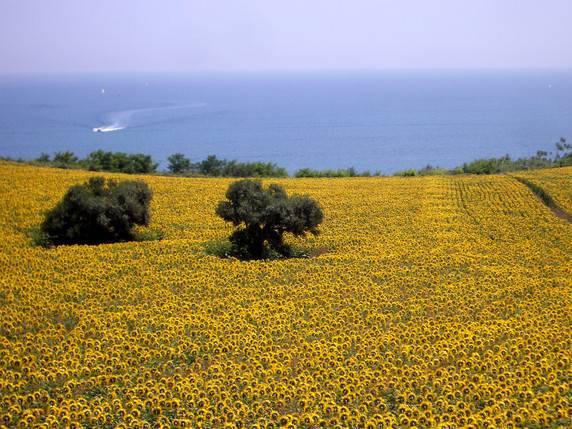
{"x": 375, "y": 121}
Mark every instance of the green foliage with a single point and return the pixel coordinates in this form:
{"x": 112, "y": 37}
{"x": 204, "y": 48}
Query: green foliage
{"x": 406, "y": 173}
{"x": 65, "y": 159}
{"x": 99, "y": 160}
{"x": 178, "y": 163}
{"x": 563, "y": 153}
{"x": 252, "y": 169}
{"x": 98, "y": 212}
{"x": 215, "y": 167}
{"x": 148, "y": 235}
{"x": 119, "y": 162}
{"x": 220, "y": 248}
{"x": 455, "y": 171}
{"x": 565, "y": 161}
{"x": 484, "y": 166}
{"x": 39, "y": 237}
{"x": 504, "y": 164}
{"x": 341, "y": 172}
{"x": 44, "y": 158}
{"x": 212, "y": 166}
{"x": 263, "y": 215}
{"x": 429, "y": 170}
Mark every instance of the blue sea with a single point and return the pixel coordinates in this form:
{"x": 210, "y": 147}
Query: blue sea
{"x": 383, "y": 121}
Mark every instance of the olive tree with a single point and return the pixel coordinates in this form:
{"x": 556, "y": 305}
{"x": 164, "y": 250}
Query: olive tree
{"x": 262, "y": 216}
{"x": 98, "y": 211}
{"x": 178, "y": 163}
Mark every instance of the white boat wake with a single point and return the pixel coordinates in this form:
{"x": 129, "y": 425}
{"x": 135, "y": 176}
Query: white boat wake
{"x": 123, "y": 119}
{"x": 107, "y": 129}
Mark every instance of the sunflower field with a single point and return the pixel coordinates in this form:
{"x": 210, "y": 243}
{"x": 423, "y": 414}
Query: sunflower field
{"x": 441, "y": 301}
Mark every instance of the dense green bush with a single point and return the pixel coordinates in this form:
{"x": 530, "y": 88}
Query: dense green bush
{"x": 563, "y": 153}
{"x": 341, "y": 172}
{"x": 98, "y": 211}
{"x": 252, "y": 169}
{"x": 178, "y": 163}
{"x": 119, "y": 162}
{"x": 100, "y": 160}
{"x": 506, "y": 164}
{"x": 262, "y": 216}
{"x": 65, "y": 159}
{"x": 430, "y": 170}
{"x": 44, "y": 158}
{"x": 565, "y": 161}
{"x": 406, "y": 173}
{"x": 213, "y": 166}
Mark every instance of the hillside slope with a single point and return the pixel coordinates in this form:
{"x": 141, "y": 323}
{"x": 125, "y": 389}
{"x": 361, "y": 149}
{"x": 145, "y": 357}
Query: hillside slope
{"x": 441, "y": 299}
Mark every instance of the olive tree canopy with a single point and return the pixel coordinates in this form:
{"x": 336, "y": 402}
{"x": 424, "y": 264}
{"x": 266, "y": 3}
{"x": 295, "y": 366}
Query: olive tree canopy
{"x": 263, "y": 215}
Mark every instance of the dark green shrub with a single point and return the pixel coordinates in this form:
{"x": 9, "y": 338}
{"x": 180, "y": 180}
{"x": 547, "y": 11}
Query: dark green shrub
{"x": 563, "y": 153}
{"x": 262, "y": 216}
{"x": 65, "y": 159}
{"x": 140, "y": 163}
{"x": 251, "y": 169}
{"x": 213, "y": 166}
{"x": 44, "y": 158}
{"x": 98, "y": 211}
{"x": 220, "y": 248}
{"x": 565, "y": 161}
{"x": 406, "y": 173}
{"x": 119, "y": 162}
{"x": 148, "y": 235}
{"x": 341, "y": 172}
{"x": 178, "y": 163}
{"x": 99, "y": 160}
{"x": 487, "y": 166}
{"x": 430, "y": 170}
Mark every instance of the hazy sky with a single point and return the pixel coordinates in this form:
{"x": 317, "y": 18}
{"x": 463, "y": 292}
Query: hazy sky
{"x": 181, "y": 35}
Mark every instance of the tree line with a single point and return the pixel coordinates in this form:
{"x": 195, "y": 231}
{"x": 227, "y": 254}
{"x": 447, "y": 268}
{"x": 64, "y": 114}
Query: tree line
{"x": 100, "y": 160}
{"x": 178, "y": 164}
{"x": 561, "y": 157}
{"x": 181, "y": 165}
